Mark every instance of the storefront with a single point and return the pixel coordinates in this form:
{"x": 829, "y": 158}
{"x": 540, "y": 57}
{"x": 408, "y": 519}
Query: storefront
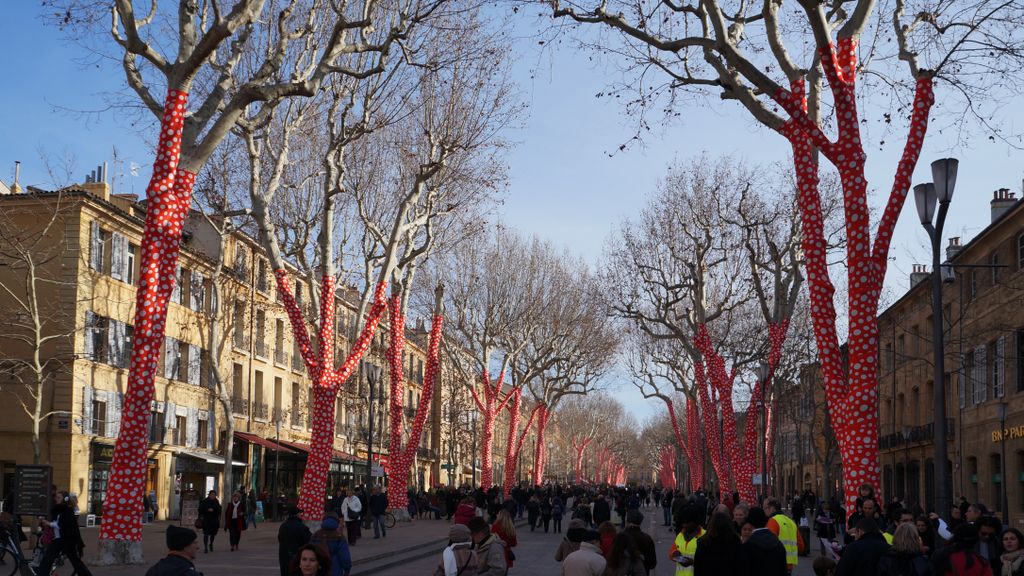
{"x": 100, "y": 457}
{"x": 195, "y": 474}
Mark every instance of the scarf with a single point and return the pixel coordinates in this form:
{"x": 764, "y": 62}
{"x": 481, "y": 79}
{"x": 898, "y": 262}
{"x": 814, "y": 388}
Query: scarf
{"x": 1012, "y": 562}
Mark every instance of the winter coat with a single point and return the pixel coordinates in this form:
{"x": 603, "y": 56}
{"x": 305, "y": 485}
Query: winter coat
{"x": 458, "y": 559}
{"x": 632, "y": 566}
{"x": 173, "y": 565}
{"x": 567, "y": 546}
{"x": 958, "y": 561}
{"x": 233, "y": 524}
{"x": 602, "y": 511}
{"x": 336, "y": 545}
{"x": 490, "y": 556}
{"x": 862, "y": 556}
{"x": 351, "y": 509}
{"x": 587, "y": 561}
{"x": 645, "y": 544}
{"x": 902, "y": 564}
{"x": 291, "y": 536}
{"x": 718, "y": 558}
{"x": 378, "y": 504}
{"x": 463, "y": 514}
{"x": 209, "y": 511}
{"x": 510, "y": 541}
{"x": 764, "y": 554}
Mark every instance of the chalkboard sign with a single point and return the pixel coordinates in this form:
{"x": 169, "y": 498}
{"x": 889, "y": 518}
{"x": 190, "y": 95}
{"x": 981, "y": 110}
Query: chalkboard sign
{"x": 33, "y": 484}
{"x": 189, "y": 512}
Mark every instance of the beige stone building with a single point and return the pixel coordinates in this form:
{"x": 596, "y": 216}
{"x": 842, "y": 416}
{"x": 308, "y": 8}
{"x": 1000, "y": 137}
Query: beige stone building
{"x": 983, "y": 324}
{"x": 87, "y": 243}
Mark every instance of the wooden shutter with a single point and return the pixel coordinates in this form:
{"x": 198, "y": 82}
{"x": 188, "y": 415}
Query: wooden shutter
{"x": 118, "y": 256}
{"x": 87, "y": 409}
{"x": 95, "y": 247}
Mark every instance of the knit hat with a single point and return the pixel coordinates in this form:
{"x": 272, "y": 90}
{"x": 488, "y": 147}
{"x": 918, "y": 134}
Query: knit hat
{"x": 178, "y": 538}
{"x": 330, "y": 523}
{"x": 458, "y": 533}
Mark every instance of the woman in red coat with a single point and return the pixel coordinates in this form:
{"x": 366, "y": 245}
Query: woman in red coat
{"x": 505, "y": 529}
{"x": 234, "y": 519}
{"x": 465, "y": 512}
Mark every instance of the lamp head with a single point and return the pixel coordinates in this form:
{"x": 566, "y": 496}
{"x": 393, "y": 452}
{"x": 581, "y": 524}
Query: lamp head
{"x": 944, "y": 177}
{"x": 924, "y": 197}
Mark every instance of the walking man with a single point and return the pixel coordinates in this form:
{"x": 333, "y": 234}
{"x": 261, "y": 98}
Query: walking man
{"x": 378, "y": 510}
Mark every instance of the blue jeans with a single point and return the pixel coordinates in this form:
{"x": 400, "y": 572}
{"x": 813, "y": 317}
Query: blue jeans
{"x": 378, "y": 526}
{"x": 667, "y": 510}
{"x": 250, "y": 518}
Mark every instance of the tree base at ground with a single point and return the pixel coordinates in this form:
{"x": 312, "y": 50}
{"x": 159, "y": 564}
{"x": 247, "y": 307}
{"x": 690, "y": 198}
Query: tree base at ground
{"x": 119, "y": 552}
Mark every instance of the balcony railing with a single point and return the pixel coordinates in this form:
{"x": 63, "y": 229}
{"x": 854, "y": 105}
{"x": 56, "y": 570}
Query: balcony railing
{"x": 239, "y": 340}
{"x": 916, "y": 435}
{"x": 261, "y": 348}
{"x": 260, "y": 411}
{"x": 410, "y": 412}
{"x": 280, "y": 357}
{"x": 240, "y": 406}
{"x": 278, "y": 415}
{"x": 297, "y": 417}
{"x": 426, "y": 454}
{"x": 297, "y": 364}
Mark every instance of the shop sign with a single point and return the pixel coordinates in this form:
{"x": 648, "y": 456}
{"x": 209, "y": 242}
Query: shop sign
{"x": 102, "y": 453}
{"x": 34, "y": 484}
{"x": 1008, "y": 434}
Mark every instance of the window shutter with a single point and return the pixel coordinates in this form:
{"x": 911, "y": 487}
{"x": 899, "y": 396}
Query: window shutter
{"x": 118, "y": 256}
{"x": 192, "y": 428}
{"x": 87, "y": 409}
{"x": 176, "y": 291}
{"x": 170, "y": 351}
{"x": 999, "y": 368}
{"x": 114, "y": 400}
{"x": 115, "y": 343}
{"x": 211, "y": 428}
{"x": 95, "y": 247}
{"x": 196, "y": 292}
{"x": 194, "y": 364}
{"x": 169, "y": 415}
{"x": 980, "y": 375}
{"x": 90, "y": 330}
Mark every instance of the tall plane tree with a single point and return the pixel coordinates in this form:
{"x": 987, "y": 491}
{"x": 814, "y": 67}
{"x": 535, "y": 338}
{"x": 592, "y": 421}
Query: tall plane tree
{"x": 741, "y": 51}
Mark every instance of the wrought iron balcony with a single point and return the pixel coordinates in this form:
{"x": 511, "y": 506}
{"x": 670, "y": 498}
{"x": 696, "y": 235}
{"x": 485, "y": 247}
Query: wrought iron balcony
{"x": 261, "y": 348}
{"x": 923, "y": 434}
{"x": 260, "y": 411}
{"x": 240, "y": 406}
{"x": 280, "y": 357}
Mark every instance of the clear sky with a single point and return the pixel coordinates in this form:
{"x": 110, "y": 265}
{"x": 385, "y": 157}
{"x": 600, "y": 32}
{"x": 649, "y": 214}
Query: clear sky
{"x": 564, "y": 185}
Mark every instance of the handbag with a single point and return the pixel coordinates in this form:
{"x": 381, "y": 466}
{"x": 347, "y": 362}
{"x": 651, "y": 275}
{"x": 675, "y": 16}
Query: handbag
{"x": 199, "y": 523}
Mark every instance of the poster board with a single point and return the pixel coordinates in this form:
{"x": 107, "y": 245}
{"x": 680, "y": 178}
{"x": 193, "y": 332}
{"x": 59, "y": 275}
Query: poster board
{"x": 34, "y": 484}
{"x": 189, "y": 512}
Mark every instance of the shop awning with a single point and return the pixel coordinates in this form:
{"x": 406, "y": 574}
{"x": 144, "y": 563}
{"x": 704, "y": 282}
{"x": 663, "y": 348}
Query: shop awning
{"x": 268, "y": 444}
{"x": 301, "y": 447}
{"x": 210, "y": 458}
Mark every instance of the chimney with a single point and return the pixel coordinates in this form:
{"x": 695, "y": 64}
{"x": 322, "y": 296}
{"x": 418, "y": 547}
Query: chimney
{"x": 96, "y": 183}
{"x": 954, "y": 248}
{"x": 920, "y": 274}
{"x": 1002, "y": 201}
{"x": 16, "y": 187}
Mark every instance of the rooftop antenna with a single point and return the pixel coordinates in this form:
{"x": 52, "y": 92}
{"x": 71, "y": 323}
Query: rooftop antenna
{"x": 17, "y": 177}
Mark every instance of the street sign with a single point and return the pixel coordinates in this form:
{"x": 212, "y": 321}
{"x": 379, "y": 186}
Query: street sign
{"x": 757, "y": 479}
{"x": 377, "y": 471}
{"x": 33, "y": 484}
{"x": 447, "y": 466}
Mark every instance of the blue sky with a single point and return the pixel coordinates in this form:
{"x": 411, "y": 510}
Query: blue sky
{"x": 564, "y": 186}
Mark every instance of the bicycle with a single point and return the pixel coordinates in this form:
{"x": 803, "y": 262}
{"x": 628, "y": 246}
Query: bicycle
{"x": 12, "y": 548}
{"x": 389, "y": 520}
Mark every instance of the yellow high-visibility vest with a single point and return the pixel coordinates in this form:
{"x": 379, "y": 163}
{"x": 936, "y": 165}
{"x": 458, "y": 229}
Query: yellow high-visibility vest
{"x": 888, "y": 537}
{"x": 687, "y": 548}
{"x": 787, "y": 535}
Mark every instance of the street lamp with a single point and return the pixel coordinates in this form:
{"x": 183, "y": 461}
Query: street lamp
{"x": 372, "y": 371}
{"x": 762, "y": 374}
{"x": 1001, "y": 410}
{"x": 906, "y": 462}
{"x": 925, "y": 196}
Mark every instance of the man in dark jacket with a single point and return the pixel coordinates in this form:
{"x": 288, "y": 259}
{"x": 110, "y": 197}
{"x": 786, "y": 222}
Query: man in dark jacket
{"x": 378, "y": 508}
{"x": 644, "y": 542}
{"x": 861, "y": 557}
{"x": 602, "y": 510}
{"x": 764, "y": 554}
{"x": 182, "y": 546}
{"x": 291, "y": 536}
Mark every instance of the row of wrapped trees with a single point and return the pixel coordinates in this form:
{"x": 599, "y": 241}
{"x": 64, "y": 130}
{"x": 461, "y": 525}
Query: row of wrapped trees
{"x": 804, "y": 70}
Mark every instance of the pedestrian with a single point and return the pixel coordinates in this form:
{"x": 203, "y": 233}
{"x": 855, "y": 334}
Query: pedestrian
{"x": 719, "y": 550}
{"x": 465, "y": 512}
{"x": 291, "y": 536}
{"x": 684, "y": 547}
{"x": 209, "y": 519}
{"x": 861, "y": 557}
{"x": 337, "y": 500}
{"x": 1013, "y": 553}
{"x": 644, "y": 542}
{"x": 378, "y": 505}
{"x": 926, "y": 531}
{"x": 786, "y": 529}
{"x": 505, "y": 529}
{"x": 351, "y": 510}
{"x": 905, "y": 557}
{"x": 458, "y": 558}
{"x": 989, "y": 529}
{"x": 545, "y": 513}
{"x": 571, "y": 542}
{"x": 666, "y": 507}
{"x": 250, "y": 508}
{"x": 607, "y": 531}
{"x": 624, "y": 559}
{"x": 311, "y": 560}
{"x": 762, "y": 551}
{"x": 557, "y": 511}
{"x": 602, "y": 510}
{"x": 490, "y": 550}
{"x": 532, "y": 511}
{"x": 739, "y": 516}
{"x": 583, "y": 512}
{"x": 331, "y": 537}
{"x": 825, "y": 523}
{"x": 588, "y": 560}
{"x": 182, "y": 546}
{"x": 959, "y": 558}
{"x": 234, "y": 520}
{"x": 67, "y": 536}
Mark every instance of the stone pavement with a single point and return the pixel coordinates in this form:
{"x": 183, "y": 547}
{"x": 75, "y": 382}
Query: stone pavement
{"x": 257, "y": 554}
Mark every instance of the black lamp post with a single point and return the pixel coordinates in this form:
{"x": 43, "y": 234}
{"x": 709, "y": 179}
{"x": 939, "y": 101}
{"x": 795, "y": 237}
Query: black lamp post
{"x": 1001, "y": 408}
{"x": 371, "y": 379}
{"x": 762, "y": 373}
{"x": 925, "y": 196}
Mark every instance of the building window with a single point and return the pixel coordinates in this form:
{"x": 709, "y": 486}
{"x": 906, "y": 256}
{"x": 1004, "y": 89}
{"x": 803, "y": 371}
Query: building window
{"x": 99, "y": 418}
{"x": 241, "y": 263}
{"x": 197, "y": 292}
{"x": 203, "y": 433}
{"x": 999, "y": 368}
{"x": 172, "y": 359}
{"x": 261, "y": 333}
{"x": 156, "y": 427}
{"x": 901, "y": 348}
{"x": 95, "y": 337}
{"x": 97, "y": 241}
{"x": 261, "y": 275}
{"x": 180, "y": 430}
{"x": 132, "y": 257}
{"x": 977, "y": 368}
{"x": 239, "y": 325}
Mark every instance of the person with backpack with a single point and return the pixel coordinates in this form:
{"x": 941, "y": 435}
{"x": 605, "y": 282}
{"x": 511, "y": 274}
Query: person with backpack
{"x": 458, "y": 558}
{"x": 959, "y": 558}
{"x": 332, "y": 539}
{"x": 557, "y": 511}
